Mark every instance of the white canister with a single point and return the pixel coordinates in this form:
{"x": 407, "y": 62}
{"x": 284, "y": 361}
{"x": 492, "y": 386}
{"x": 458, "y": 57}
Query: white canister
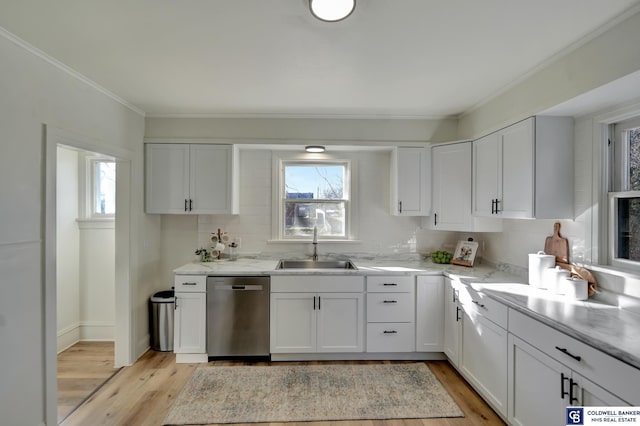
{"x": 553, "y": 279}
{"x": 538, "y": 262}
{"x": 576, "y": 288}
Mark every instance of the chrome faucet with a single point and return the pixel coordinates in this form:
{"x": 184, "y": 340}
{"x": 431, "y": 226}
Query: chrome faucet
{"x": 315, "y": 244}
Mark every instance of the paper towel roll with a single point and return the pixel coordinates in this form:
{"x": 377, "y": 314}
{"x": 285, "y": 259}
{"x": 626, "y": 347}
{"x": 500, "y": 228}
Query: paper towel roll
{"x": 538, "y": 262}
{"x": 575, "y": 288}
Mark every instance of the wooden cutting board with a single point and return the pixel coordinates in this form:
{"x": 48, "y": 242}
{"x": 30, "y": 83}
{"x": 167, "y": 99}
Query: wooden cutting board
{"x": 557, "y": 245}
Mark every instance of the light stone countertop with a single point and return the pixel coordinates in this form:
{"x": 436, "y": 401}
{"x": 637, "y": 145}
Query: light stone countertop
{"x": 598, "y": 322}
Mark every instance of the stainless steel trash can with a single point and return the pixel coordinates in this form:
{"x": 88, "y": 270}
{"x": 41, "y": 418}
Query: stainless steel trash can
{"x": 161, "y": 311}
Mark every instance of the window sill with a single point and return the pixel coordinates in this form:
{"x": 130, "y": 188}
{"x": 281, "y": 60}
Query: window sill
{"x": 626, "y": 272}
{"x": 97, "y": 223}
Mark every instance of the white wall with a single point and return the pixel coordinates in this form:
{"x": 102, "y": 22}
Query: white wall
{"x": 68, "y": 249}
{"x": 35, "y": 92}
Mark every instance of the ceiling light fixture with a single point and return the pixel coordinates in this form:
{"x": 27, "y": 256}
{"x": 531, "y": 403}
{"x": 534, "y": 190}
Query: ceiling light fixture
{"x": 332, "y": 10}
{"x": 314, "y": 148}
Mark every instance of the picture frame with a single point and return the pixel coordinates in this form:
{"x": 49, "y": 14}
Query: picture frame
{"x": 465, "y": 253}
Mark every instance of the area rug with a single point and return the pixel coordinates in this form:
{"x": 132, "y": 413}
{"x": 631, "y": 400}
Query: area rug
{"x": 258, "y": 394}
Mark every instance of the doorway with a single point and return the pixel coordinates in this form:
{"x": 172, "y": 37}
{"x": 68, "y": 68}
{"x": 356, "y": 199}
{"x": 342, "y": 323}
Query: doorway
{"x": 121, "y": 334}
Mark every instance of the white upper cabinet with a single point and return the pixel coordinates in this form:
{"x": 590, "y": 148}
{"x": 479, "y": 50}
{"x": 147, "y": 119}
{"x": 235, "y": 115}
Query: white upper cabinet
{"x": 191, "y": 179}
{"x": 451, "y": 191}
{"x": 410, "y": 181}
{"x": 525, "y": 170}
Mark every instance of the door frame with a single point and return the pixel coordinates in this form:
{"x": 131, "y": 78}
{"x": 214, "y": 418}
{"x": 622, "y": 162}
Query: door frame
{"x": 124, "y": 345}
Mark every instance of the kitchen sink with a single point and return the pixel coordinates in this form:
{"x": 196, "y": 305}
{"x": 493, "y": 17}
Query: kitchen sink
{"x": 315, "y": 264}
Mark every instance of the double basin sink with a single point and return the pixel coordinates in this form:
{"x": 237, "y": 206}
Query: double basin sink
{"x": 316, "y": 264}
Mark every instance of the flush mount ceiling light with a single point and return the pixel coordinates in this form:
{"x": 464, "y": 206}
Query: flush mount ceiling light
{"x": 332, "y": 10}
{"x": 314, "y": 148}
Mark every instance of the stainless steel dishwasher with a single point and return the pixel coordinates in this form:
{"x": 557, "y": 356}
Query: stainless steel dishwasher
{"x": 238, "y": 316}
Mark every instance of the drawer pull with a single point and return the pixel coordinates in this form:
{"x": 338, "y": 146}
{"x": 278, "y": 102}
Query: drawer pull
{"x": 189, "y": 283}
{"x": 458, "y": 314}
{"x": 572, "y": 399}
{"x": 390, "y": 301}
{"x": 391, "y": 284}
{"x": 566, "y": 352}
{"x": 479, "y": 304}
{"x": 390, "y": 332}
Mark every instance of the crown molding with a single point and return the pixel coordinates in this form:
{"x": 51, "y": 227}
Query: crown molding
{"x": 68, "y": 70}
{"x": 336, "y": 116}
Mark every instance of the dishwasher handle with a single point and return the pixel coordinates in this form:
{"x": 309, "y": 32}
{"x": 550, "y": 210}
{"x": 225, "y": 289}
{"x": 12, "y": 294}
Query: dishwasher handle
{"x": 239, "y": 287}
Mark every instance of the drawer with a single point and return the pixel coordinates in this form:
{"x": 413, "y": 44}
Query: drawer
{"x": 475, "y": 302}
{"x": 390, "y": 337}
{"x": 390, "y": 307}
{"x": 617, "y": 377}
{"x": 190, "y": 283}
{"x": 390, "y": 284}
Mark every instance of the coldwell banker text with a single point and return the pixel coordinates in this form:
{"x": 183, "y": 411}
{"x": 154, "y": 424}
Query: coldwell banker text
{"x": 599, "y": 415}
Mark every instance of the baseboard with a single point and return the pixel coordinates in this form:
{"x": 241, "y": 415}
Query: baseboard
{"x": 142, "y": 345}
{"x": 97, "y": 330}
{"x": 68, "y": 337}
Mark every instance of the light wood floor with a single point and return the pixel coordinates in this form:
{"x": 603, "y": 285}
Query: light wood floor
{"x": 81, "y": 370}
{"x": 143, "y": 393}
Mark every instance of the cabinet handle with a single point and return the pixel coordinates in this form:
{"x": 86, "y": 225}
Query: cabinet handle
{"x": 566, "y": 352}
{"x": 493, "y": 206}
{"x": 454, "y": 296}
{"x": 572, "y": 398}
{"x": 189, "y": 283}
{"x": 458, "y": 313}
{"x": 389, "y": 301}
{"x": 390, "y": 332}
{"x": 185, "y": 205}
{"x": 314, "y": 303}
{"x": 400, "y": 206}
{"x": 392, "y": 284}
{"x": 190, "y": 204}
{"x": 479, "y": 304}
{"x": 435, "y": 219}
{"x": 563, "y": 393}
{"x": 318, "y": 302}
{"x": 497, "y": 203}
{"x": 175, "y": 303}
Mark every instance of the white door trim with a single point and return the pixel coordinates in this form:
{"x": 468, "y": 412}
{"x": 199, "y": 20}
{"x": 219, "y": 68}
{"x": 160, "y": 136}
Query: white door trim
{"x": 123, "y": 325}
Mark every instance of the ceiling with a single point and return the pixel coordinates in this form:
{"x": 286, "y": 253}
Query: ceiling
{"x": 391, "y": 58}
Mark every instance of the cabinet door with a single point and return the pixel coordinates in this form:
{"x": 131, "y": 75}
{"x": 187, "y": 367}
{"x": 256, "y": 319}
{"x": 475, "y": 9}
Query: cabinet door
{"x": 190, "y": 323}
{"x": 486, "y": 174}
{"x": 166, "y": 178}
{"x": 293, "y": 322}
{"x": 592, "y": 395}
{"x": 483, "y": 360}
{"x": 452, "y": 318}
{"x": 429, "y": 314}
{"x": 451, "y": 187}
{"x": 210, "y": 179}
{"x": 536, "y": 382}
{"x": 411, "y": 182}
{"x": 340, "y": 322}
{"x": 516, "y": 191}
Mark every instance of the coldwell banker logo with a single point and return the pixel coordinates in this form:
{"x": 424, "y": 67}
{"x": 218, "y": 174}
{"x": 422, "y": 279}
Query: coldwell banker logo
{"x": 575, "y": 416}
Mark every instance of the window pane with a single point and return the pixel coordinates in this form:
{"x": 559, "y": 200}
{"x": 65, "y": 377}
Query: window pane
{"x": 633, "y": 136}
{"x": 629, "y": 229}
{"x": 316, "y": 181}
{"x": 105, "y": 188}
{"x": 300, "y": 218}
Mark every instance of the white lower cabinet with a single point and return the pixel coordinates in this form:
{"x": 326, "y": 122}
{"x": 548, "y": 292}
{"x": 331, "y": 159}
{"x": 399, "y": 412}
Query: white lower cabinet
{"x": 311, "y": 321}
{"x": 540, "y": 387}
{"x": 483, "y": 358}
{"x": 452, "y": 322}
{"x": 190, "y": 318}
{"x": 429, "y": 313}
{"x": 391, "y": 314}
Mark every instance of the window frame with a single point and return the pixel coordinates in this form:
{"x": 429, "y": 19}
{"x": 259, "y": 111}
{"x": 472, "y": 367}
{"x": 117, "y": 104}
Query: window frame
{"x": 280, "y": 160}
{"x": 92, "y": 188}
{"x": 612, "y": 152}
